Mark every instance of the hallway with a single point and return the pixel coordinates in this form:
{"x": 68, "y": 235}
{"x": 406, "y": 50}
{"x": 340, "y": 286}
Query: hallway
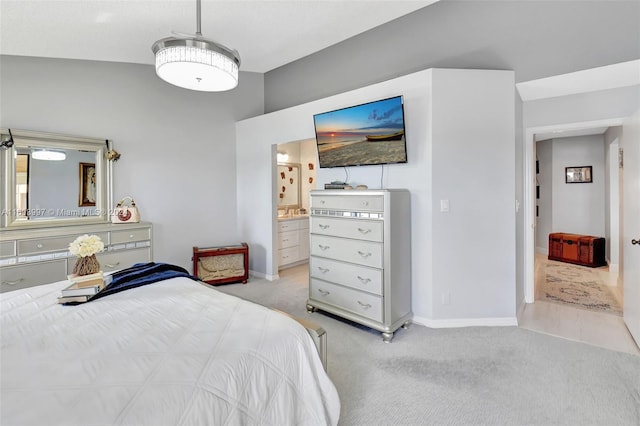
{"x": 597, "y": 328}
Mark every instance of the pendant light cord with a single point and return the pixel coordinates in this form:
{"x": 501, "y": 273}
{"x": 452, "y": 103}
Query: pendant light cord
{"x": 198, "y": 20}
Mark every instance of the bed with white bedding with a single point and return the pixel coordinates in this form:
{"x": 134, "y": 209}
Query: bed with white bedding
{"x": 174, "y": 352}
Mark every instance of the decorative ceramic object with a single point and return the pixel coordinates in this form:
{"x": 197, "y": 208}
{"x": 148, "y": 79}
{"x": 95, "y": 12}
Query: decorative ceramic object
{"x": 85, "y": 248}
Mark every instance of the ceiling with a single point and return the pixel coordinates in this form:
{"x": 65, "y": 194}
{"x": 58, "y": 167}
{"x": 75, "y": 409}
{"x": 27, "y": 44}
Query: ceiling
{"x": 268, "y": 34}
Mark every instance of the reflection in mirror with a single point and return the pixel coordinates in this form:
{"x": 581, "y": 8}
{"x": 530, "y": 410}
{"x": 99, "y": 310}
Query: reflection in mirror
{"x": 54, "y": 180}
{"x": 288, "y": 184}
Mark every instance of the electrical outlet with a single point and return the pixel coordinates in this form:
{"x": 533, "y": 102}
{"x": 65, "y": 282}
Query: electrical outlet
{"x": 444, "y": 206}
{"x": 446, "y": 298}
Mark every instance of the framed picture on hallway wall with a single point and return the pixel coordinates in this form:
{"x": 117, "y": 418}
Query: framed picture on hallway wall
{"x": 578, "y": 174}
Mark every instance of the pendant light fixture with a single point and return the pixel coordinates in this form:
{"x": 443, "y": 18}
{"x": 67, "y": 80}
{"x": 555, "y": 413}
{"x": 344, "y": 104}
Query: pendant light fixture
{"x": 192, "y": 62}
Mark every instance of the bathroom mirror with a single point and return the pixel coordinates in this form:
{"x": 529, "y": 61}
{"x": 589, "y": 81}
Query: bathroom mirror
{"x": 53, "y": 180}
{"x": 288, "y": 184}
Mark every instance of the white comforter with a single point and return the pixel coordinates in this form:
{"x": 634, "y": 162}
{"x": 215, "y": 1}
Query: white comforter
{"x": 173, "y": 352}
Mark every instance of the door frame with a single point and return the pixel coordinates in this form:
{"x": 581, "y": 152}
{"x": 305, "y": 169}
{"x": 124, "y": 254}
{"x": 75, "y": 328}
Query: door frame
{"x": 529, "y": 195}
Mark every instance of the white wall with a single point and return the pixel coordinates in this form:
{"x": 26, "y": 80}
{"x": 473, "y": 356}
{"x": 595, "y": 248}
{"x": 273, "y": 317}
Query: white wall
{"x": 578, "y": 208}
{"x": 460, "y": 144}
{"x": 177, "y": 146}
{"x": 473, "y": 168}
{"x": 308, "y": 161}
{"x": 581, "y": 108}
{"x": 544, "y": 154}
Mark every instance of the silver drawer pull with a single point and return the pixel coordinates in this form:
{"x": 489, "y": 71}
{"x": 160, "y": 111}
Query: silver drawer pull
{"x": 39, "y": 245}
{"x": 364, "y": 280}
{"x": 111, "y": 265}
{"x": 284, "y": 241}
{"x": 323, "y": 247}
{"x": 18, "y": 281}
{"x": 323, "y": 226}
{"x": 131, "y": 235}
{"x": 323, "y": 292}
{"x": 364, "y": 231}
{"x": 365, "y": 203}
{"x": 364, "y": 254}
{"x": 321, "y": 201}
{"x": 364, "y": 305}
{"x": 323, "y": 270}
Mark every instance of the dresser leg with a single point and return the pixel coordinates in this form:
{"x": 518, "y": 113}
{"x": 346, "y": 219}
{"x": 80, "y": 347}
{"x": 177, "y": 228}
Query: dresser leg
{"x": 310, "y": 309}
{"x": 387, "y": 337}
{"x": 406, "y": 325}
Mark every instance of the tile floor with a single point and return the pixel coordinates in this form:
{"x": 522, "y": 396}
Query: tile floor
{"x": 596, "y": 328}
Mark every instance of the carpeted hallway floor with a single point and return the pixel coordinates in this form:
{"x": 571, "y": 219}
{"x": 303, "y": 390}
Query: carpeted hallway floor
{"x": 462, "y": 376}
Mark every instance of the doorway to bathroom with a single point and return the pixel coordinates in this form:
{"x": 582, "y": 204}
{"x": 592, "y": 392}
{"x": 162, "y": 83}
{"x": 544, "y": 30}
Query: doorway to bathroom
{"x": 295, "y": 172}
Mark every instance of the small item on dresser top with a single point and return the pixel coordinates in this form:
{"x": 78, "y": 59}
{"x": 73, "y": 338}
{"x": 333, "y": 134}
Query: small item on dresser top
{"x": 125, "y": 214}
{"x": 362, "y": 187}
{"x": 336, "y": 185}
{"x": 348, "y": 187}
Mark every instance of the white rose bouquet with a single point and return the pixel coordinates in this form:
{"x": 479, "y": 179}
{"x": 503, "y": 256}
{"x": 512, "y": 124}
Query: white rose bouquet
{"x": 86, "y": 245}
{"x": 85, "y": 248}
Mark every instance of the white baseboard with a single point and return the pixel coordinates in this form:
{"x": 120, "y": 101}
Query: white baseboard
{"x": 465, "y": 322}
{"x": 261, "y": 276}
{"x": 543, "y": 250}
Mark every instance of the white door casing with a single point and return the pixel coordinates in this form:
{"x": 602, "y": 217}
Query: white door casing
{"x": 530, "y": 195}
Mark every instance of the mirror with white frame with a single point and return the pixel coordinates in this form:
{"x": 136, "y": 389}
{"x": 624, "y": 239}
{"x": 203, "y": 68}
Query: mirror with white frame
{"x": 53, "y": 180}
{"x": 288, "y": 184}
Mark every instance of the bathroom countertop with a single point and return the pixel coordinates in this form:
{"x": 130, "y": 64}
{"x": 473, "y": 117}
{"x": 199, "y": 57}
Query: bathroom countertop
{"x": 293, "y": 217}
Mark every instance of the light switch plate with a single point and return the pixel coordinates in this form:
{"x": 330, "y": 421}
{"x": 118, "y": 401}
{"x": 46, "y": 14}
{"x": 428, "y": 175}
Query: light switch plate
{"x": 444, "y": 206}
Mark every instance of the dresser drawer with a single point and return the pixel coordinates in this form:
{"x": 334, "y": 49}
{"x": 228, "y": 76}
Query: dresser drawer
{"x": 116, "y": 260}
{"x": 349, "y": 228}
{"x": 44, "y": 245}
{"x": 367, "y": 203}
{"x": 288, "y": 239}
{"x": 361, "y": 252}
{"x": 288, "y": 255}
{"x": 32, "y": 274}
{"x": 358, "y": 277}
{"x": 130, "y": 235}
{"x": 363, "y": 304}
{"x": 7, "y": 248}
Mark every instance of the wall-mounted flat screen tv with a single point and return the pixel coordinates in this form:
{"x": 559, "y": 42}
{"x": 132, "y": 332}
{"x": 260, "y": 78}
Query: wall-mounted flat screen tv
{"x": 362, "y": 135}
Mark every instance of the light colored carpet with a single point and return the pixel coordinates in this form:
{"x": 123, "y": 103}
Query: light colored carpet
{"x": 463, "y": 376}
{"x": 578, "y": 286}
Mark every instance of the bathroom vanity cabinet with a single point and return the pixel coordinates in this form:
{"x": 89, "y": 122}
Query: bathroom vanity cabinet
{"x": 293, "y": 241}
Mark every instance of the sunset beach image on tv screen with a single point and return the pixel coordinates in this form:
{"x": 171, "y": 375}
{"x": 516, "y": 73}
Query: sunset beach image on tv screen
{"x": 367, "y": 134}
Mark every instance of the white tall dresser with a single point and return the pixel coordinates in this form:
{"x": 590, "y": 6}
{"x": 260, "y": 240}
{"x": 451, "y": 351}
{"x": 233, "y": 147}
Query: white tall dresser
{"x": 360, "y": 257}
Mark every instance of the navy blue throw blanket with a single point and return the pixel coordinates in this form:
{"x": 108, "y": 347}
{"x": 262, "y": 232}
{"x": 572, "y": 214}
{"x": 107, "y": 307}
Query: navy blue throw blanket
{"x": 142, "y": 274}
